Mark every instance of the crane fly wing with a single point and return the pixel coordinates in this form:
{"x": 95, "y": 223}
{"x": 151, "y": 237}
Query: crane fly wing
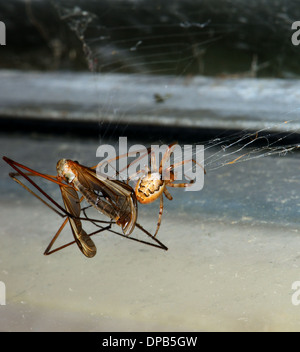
{"x": 128, "y": 208}
{"x": 72, "y": 205}
{"x": 122, "y": 197}
{"x": 111, "y": 197}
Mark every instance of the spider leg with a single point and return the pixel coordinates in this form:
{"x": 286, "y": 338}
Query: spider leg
{"x": 161, "y": 208}
{"x": 167, "y": 193}
{"x": 123, "y": 156}
{"x": 181, "y": 185}
{"x": 143, "y": 172}
{"x": 174, "y": 166}
{"x": 153, "y": 163}
{"x": 166, "y": 156}
{"x": 106, "y": 163}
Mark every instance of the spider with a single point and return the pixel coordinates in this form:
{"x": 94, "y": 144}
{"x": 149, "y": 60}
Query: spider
{"x": 152, "y": 185}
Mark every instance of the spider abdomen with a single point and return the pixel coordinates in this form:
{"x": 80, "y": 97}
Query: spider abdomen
{"x": 149, "y": 188}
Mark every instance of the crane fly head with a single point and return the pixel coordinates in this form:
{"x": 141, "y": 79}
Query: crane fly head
{"x": 64, "y": 170}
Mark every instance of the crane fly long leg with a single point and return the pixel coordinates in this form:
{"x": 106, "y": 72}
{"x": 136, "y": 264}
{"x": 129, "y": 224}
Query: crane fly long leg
{"x": 14, "y": 175}
{"x": 48, "y": 250}
{"x": 15, "y": 166}
{"x": 72, "y": 204}
{"x": 158, "y": 245}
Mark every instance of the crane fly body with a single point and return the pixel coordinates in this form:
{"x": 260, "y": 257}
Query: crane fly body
{"x": 120, "y": 201}
{"x": 114, "y": 199}
{"x": 120, "y": 204}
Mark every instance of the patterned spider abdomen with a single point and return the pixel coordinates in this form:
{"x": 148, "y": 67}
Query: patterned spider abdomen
{"x": 149, "y": 188}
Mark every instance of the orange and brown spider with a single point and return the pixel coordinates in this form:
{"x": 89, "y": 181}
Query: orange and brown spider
{"x": 152, "y": 184}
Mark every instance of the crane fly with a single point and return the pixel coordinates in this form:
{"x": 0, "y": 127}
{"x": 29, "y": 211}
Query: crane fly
{"x": 113, "y": 198}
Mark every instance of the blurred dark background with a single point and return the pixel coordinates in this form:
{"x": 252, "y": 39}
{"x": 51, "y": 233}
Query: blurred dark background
{"x": 182, "y": 37}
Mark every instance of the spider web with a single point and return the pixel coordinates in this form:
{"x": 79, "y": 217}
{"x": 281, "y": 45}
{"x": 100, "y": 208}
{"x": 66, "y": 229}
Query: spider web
{"x": 173, "y": 38}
